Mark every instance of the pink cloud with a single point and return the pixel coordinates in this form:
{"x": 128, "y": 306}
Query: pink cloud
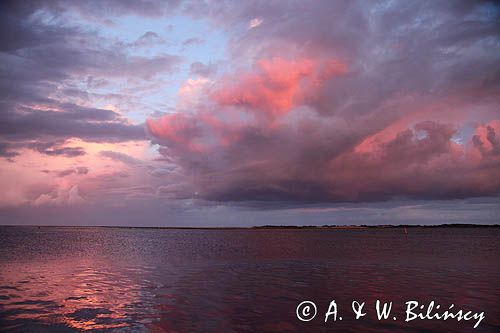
{"x": 274, "y": 133}
{"x": 420, "y": 162}
{"x": 276, "y": 85}
{"x": 487, "y": 138}
{"x": 313, "y": 158}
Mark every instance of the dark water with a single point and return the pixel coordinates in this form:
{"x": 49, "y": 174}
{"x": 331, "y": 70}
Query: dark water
{"x": 147, "y": 280}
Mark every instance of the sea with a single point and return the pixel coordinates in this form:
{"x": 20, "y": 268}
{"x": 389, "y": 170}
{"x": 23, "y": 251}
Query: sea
{"x": 105, "y": 279}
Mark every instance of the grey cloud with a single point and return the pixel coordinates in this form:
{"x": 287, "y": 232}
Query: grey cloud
{"x": 71, "y": 121}
{"x": 54, "y": 149}
{"x": 5, "y": 150}
{"x": 192, "y": 41}
{"x": 94, "y": 9}
{"x": 163, "y": 171}
{"x": 78, "y": 171}
{"x": 201, "y": 69}
{"x": 118, "y": 156}
{"x": 65, "y": 151}
{"x": 147, "y": 39}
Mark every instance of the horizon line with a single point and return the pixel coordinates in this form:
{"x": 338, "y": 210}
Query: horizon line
{"x": 267, "y": 227}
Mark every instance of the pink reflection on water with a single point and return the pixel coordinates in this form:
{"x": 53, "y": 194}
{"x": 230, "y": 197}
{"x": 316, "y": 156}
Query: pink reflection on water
{"x": 82, "y": 294}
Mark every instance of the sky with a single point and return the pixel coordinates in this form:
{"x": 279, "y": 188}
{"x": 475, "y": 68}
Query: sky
{"x": 243, "y": 113}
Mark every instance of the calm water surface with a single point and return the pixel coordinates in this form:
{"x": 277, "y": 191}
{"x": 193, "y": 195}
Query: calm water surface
{"x": 151, "y": 280}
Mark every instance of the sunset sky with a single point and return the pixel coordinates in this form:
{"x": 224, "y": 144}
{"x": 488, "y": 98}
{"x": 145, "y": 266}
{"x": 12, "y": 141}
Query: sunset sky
{"x": 241, "y": 113}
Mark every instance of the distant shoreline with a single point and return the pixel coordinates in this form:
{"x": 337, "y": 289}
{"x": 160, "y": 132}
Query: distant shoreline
{"x": 273, "y": 227}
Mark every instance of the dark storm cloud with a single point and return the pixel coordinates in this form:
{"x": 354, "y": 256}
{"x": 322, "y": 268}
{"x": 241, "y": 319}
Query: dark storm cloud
{"x": 383, "y": 128}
